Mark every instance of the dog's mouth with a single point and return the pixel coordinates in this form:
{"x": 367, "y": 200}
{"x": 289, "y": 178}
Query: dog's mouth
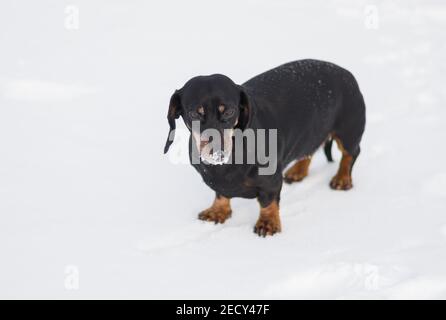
{"x": 212, "y": 151}
{"x": 203, "y": 144}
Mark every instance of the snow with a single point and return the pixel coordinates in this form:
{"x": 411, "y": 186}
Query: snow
{"x": 84, "y": 184}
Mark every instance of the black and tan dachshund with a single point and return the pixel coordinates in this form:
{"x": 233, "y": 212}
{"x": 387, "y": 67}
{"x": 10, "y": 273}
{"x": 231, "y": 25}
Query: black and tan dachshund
{"x": 308, "y": 102}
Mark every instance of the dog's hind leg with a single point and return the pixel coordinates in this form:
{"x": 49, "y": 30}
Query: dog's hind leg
{"x": 343, "y": 178}
{"x": 298, "y": 171}
{"x": 347, "y": 132}
{"x": 219, "y": 212}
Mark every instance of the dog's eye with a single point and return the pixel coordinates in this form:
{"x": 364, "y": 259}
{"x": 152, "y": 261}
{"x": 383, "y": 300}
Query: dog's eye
{"x": 194, "y": 115}
{"x": 228, "y": 113}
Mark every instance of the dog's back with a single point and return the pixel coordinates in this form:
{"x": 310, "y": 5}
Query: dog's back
{"x": 308, "y": 100}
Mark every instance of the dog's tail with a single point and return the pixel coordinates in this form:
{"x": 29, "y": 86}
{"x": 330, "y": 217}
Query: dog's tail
{"x": 327, "y": 149}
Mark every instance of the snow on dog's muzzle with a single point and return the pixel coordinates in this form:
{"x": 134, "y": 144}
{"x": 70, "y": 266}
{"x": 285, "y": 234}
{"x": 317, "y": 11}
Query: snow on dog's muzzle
{"x": 218, "y": 157}
{"x": 210, "y": 149}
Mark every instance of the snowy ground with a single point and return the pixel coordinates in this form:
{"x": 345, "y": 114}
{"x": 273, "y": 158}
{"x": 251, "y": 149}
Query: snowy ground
{"x": 84, "y": 183}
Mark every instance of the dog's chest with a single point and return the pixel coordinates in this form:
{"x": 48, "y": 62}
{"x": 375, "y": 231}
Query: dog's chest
{"x": 230, "y": 183}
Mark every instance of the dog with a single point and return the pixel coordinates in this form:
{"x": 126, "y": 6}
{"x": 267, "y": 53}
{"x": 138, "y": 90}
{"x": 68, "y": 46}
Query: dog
{"x": 309, "y": 103}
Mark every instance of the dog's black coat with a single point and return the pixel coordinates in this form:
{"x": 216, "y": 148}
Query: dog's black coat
{"x": 307, "y": 101}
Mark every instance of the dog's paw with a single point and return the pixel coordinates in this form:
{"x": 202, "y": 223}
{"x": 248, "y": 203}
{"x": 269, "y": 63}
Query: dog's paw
{"x": 267, "y": 226}
{"x": 341, "y": 182}
{"x": 291, "y": 177}
{"x": 213, "y": 215}
{"x": 298, "y": 171}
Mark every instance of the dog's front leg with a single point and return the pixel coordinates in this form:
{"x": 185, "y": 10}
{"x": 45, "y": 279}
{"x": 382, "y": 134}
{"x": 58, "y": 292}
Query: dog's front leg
{"x": 219, "y": 212}
{"x": 269, "y": 219}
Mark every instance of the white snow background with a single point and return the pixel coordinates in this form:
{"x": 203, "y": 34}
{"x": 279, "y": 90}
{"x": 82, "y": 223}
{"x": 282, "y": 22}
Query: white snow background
{"x": 84, "y": 182}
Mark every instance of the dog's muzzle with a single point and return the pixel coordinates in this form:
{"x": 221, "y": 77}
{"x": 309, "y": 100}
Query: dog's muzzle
{"x": 212, "y": 153}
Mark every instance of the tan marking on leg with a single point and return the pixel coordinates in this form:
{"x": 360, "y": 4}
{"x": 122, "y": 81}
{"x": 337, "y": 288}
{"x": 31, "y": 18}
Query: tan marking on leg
{"x": 269, "y": 220}
{"x": 298, "y": 171}
{"x": 219, "y": 212}
{"x": 343, "y": 179}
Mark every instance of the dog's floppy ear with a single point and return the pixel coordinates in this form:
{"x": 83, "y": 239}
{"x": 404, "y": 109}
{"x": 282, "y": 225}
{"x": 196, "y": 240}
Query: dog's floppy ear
{"x": 245, "y": 106}
{"x": 175, "y": 110}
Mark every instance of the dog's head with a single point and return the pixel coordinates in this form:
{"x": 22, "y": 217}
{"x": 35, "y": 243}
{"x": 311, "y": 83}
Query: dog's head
{"x": 211, "y": 107}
